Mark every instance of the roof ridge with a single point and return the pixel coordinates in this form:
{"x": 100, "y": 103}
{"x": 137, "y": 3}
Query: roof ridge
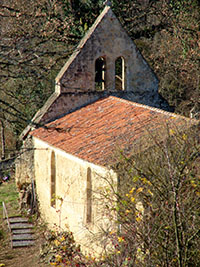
{"x": 92, "y": 134}
{"x": 152, "y": 108}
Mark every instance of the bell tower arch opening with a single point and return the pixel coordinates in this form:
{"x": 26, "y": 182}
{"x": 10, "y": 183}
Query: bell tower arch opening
{"x": 120, "y": 73}
{"x": 100, "y": 74}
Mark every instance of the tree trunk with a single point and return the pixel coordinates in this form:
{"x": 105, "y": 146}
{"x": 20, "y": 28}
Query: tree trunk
{"x": 2, "y": 140}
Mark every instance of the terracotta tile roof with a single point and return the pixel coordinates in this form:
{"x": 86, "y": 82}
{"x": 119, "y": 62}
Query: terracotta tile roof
{"x": 97, "y": 130}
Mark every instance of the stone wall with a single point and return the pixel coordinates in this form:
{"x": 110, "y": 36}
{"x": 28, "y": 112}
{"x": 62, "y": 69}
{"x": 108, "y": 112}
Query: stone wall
{"x": 109, "y": 40}
{"x": 24, "y": 164}
{"x": 71, "y": 185}
{"x": 75, "y": 83}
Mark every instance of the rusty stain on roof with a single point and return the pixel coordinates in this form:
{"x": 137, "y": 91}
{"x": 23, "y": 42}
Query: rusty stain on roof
{"x": 94, "y": 132}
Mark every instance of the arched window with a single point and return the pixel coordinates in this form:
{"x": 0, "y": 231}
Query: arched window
{"x": 89, "y": 197}
{"x": 119, "y": 74}
{"x": 100, "y": 73}
{"x": 53, "y": 179}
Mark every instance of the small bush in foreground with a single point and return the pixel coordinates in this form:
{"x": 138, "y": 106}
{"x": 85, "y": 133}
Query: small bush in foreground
{"x": 61, "y": 250}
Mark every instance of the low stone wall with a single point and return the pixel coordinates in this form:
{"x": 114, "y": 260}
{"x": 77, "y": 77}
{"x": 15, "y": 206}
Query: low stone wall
{"x": 24, "y": 164}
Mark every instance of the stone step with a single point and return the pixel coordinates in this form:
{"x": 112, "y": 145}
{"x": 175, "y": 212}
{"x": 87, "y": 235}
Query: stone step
{"x": 22, "y": 243}
{"x": 17, "y": 219}
{"x": 22, "y": 237}
{"x": 22, "y": 231}
{"x": 20, "y": 226}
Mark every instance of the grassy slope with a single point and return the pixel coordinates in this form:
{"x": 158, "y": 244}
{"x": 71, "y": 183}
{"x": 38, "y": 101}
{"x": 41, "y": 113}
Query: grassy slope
{"x": 9, "y": 194}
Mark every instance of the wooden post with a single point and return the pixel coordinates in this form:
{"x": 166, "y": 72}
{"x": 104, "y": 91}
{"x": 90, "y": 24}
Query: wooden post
{"x": 5, "y": 215}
